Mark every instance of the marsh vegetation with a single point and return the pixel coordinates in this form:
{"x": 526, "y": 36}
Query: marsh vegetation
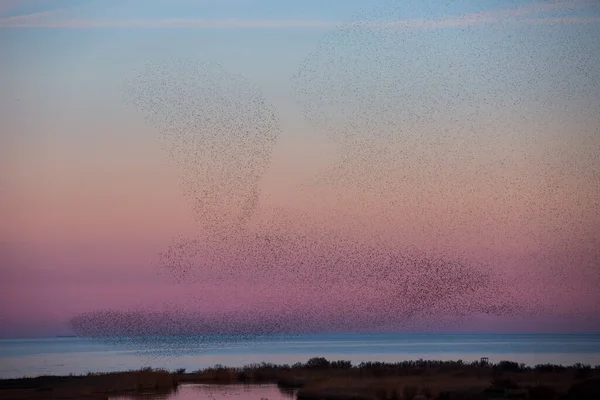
{"x": 320, "y": 379}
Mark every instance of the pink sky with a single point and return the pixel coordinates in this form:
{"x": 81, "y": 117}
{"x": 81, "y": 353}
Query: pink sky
{"x": 509, "y": 184}
{"x": 84, "y": 235}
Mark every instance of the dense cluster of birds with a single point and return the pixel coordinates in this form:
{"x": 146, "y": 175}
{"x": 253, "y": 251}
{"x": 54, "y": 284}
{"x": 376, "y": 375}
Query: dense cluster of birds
{"x": 218, "y": 130}
{"x": 382, "y": 107}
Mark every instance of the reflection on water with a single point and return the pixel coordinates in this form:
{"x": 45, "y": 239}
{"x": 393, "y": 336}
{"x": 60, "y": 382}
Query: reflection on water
{"x": 218, "y": 392}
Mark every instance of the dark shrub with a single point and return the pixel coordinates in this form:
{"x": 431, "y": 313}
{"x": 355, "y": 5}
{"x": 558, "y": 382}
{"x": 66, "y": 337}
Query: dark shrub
{"x": 426, "y": 391}
{"x": 549, "y": 367}
{"x": 291, "y": 382}
{"x": 585, "y": 390}
{"x": 381, "y": 394}
{"x": 542, "y": 393}
{"x": 582, "y": 371}
{"x": 341, "y": 364}
{"x": 461, "y": 395}
{"x": 509, "y": 366}
{"x": 318, "y": 363}
{"x": 504, "y": 383}
{"x": 409, "y": 392}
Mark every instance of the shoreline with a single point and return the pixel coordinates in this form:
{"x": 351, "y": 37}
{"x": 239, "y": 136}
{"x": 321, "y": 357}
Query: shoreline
{"x": 319, "y": 379}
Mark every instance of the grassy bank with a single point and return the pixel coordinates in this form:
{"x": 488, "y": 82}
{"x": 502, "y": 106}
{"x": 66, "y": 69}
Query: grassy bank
{"x": 339, "y": 380}
{"x": 93, "y": 386}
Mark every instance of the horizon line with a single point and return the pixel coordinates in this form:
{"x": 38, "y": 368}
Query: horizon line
{"x": 307, "y": 334}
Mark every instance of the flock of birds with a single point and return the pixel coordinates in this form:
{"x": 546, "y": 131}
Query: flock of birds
{"x": 220, "y": 133}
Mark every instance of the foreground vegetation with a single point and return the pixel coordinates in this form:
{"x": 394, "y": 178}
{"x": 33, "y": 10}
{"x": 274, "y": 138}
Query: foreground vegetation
{"x": 338, "y": 380}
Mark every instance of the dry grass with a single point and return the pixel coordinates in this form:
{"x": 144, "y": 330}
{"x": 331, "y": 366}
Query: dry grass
{"x": 320, "y": 379}
{"x": 91, "y": 386}
{"x": 396, "y": 387}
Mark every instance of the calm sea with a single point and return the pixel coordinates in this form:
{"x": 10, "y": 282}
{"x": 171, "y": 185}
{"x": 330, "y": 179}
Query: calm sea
{"x": 61, "y": 356}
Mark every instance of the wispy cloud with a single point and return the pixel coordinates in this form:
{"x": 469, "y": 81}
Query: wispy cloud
{"x": 532, "y": 8}
{"x": 564, "y": 20}
{"x": 51, "y": 19}
{"x": 515, "y": 14}
{"x": 50, "y": 14}
{"x": 8, "y": 5}
{"x": 167, "y": 23}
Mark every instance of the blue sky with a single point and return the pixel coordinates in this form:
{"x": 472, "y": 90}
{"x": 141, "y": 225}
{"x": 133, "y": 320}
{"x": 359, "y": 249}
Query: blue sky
{"x": 63, "y": 56}
{"x": 271, "y": 36}
{"x": 39, "y": 12}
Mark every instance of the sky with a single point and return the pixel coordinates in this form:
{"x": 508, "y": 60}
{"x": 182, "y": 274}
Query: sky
{"x": 497, "y": 159}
